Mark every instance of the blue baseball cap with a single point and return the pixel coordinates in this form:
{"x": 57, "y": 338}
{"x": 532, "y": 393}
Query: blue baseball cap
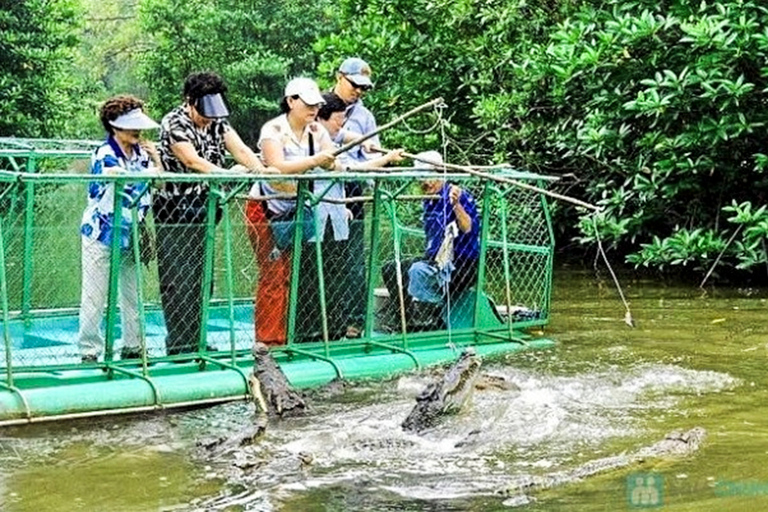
{"x": 357, "y": 71}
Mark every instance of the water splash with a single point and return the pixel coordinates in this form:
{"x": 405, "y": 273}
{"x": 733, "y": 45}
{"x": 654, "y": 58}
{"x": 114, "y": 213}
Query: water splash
{"x": 550, "y": 423}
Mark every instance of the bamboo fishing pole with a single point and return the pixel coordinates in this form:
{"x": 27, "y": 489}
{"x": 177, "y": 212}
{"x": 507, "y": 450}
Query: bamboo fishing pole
{"x": 363, "y": 138}
{"x": 500, "y": 179}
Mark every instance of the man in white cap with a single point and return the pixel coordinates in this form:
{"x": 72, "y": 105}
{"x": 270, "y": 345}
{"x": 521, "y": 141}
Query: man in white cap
{"x": 353, "y": 80}
{"x": 450, "y": 261}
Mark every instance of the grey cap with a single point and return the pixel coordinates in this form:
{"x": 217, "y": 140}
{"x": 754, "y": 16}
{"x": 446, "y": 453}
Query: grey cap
{"x": 134, "y": 120}
{"x": 357, "y": 70}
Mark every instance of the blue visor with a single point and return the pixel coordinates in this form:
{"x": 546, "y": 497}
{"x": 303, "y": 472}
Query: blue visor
{"x": 212, "y": 106}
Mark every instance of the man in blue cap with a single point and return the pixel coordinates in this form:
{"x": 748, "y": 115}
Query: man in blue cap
{"x": 353, "y": 80}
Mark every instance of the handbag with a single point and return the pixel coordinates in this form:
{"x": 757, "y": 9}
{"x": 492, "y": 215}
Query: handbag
{"x": 284, "y": 226}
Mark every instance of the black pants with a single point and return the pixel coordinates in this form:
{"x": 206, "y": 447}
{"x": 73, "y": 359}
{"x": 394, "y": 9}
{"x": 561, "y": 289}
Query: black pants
{"x": 336, "y": 281}
{"x": 180, "y": 263}
{"x": 180, "y": 230}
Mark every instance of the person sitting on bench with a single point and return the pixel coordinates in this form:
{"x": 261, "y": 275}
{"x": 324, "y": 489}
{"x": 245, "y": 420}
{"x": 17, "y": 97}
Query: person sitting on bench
{"x": 450, "y": 261}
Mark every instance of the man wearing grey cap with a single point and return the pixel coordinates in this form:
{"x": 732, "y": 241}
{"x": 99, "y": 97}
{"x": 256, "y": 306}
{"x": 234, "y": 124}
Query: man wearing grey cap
{"x": 193, "y": 139}
{"x": 353, "y": 80}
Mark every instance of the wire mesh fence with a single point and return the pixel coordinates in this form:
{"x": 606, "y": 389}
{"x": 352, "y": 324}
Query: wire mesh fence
{"x": 214, "y": 270}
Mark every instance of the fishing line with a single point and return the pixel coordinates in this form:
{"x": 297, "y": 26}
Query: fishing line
{"x": 627, "y": 314}
{"x": 447, "y": 290}
{"x": 438, "y": 122}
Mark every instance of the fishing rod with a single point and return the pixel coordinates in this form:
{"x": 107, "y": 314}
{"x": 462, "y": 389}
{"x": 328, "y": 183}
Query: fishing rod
{"x": 410, "y": 113}
{"x": 501, "y": 179}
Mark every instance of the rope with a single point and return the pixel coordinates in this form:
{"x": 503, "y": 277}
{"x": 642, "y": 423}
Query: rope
{"x": 447, "y": 288}
{"x": 627, "y": 314}
{"x": 438, "y": 121}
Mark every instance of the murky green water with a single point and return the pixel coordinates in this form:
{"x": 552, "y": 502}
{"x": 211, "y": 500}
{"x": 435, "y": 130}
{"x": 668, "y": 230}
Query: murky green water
{"x": 691, "y": 360}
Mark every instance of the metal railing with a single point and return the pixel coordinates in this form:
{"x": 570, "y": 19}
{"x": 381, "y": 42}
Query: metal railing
{"x": 330, "y": 288}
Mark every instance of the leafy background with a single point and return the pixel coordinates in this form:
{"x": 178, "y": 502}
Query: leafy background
{"x": 654, "y": 110}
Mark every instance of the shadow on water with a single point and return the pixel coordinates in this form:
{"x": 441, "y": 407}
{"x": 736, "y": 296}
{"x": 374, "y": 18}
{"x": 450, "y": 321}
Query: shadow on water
{"x": 603, "y": 390}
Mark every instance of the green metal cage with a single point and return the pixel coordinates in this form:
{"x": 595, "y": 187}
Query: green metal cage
{"x": 43, "y": 186}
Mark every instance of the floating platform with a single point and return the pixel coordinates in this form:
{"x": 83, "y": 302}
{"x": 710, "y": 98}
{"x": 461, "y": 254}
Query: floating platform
{"x": 43, "y": 190}
{"x": 68, "y": 390}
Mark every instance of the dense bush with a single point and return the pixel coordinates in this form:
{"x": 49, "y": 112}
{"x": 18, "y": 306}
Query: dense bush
{"x": 455, "y": 49}
{"x": 659, "y": 109}
{"x": 38, "y": 93}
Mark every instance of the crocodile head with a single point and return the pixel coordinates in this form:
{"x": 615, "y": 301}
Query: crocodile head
{"x": 446, "y": 396}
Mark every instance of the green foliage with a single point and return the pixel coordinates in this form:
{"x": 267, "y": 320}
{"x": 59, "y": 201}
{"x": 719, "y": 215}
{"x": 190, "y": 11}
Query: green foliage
{"x": 658, "y": 108}
{"x": 750, "y": 250}
{"x": 256, "y": 46}
{"x": 455, "y": 49}
{"x": 684, "y": 247}
{"x": 38, "y": 95}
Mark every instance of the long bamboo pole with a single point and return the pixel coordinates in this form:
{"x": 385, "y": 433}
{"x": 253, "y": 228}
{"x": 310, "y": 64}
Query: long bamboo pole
{"x": 363, "y": 138}
{"x": 501, "y": 179}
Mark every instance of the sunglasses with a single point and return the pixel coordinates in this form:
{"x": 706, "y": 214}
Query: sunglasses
{"x": 357, "y": 86}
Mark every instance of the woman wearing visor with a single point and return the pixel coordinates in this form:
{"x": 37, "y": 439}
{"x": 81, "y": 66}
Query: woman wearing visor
{"x": 122, "y": 153}
{"x": 193, "y": 139}
{"x": 294, "y": 143}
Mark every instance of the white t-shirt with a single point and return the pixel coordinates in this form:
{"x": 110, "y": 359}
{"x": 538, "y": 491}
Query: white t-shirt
{"x": 280, "y": 131}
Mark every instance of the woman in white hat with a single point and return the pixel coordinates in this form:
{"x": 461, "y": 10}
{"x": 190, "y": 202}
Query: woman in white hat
{"x": 122, "y": 153}
{"x": 294, "y": 143}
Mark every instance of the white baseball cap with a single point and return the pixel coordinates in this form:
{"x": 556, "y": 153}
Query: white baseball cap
{"x": 306, "y": 89}
{"x": 134, "y": 120}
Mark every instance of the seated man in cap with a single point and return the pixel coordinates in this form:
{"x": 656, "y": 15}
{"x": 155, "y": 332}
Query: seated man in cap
{"x": 449, "y": 265}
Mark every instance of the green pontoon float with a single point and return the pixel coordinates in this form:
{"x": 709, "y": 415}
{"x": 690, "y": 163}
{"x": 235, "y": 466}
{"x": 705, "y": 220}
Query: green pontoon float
{"x": 43, "y": 185}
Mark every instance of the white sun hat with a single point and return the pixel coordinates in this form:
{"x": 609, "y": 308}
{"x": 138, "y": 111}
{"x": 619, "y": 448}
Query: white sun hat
{"x": 432, "y": 156}
{"x": 306, "y": 89}
{"x": 134, "y": 120}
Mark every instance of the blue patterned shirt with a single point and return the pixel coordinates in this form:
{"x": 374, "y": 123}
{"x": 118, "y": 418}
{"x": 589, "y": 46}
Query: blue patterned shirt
{"x": 98, "y": 218}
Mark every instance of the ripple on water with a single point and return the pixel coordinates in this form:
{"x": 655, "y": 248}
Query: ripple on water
{"x": 553, "y": 421}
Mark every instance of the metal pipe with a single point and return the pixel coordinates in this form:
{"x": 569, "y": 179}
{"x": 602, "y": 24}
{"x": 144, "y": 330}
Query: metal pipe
{"x": 114, "y": 268}
{"x": 373, "y": 260}
{"x": 112, "y": 412}
{"x": 484, "y": 223}
{"x": 29, "y": 216}
{"x": 6, "y": 319}
{"x": 210, "y": 244}
{"x": 135, "y": 238}
{"x": 298, "y": 234}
